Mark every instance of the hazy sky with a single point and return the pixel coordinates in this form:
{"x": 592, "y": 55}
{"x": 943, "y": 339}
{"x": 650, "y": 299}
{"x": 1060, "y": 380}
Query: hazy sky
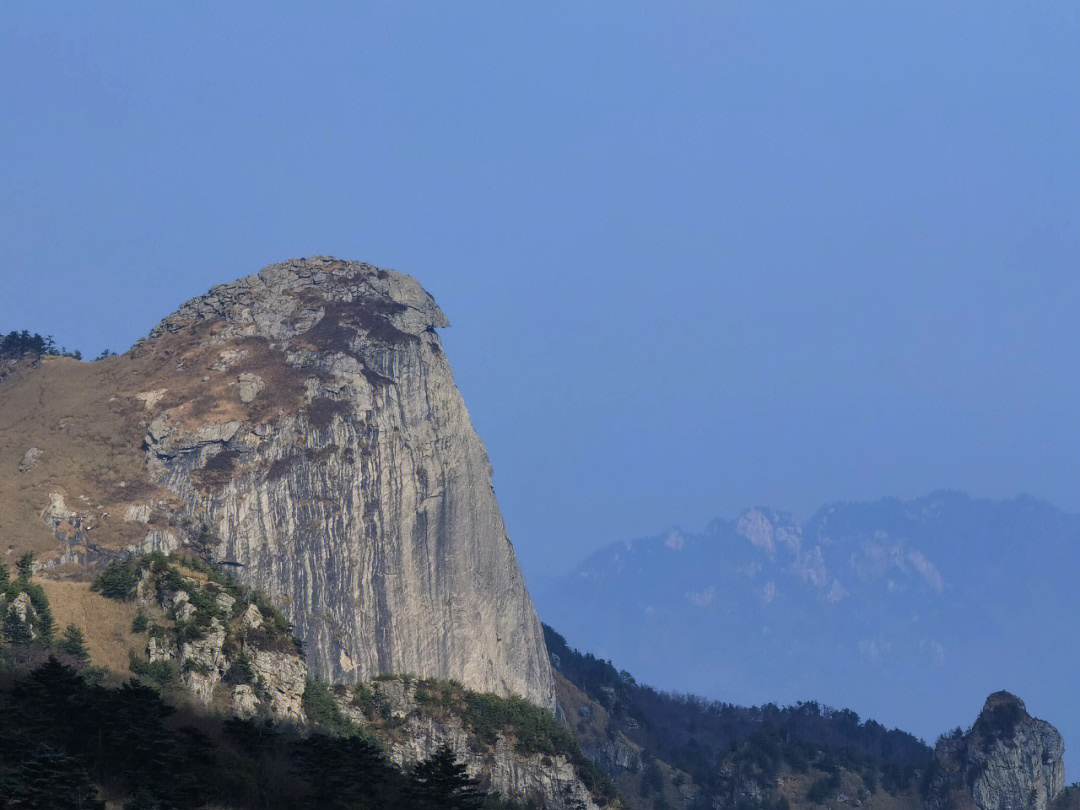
{"x": 696, "y": 260}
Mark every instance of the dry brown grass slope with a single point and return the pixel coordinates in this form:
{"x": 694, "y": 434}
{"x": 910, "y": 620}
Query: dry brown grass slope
{"x": 90, "y": 419}
{"x": 106, "y": 623}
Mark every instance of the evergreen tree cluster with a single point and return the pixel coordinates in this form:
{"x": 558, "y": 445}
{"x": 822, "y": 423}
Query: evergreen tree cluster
{"x": 68, "y": 743}
{"x": 40, "y": 626}
{"x": 211, "y": 598}
{"x": 534, "y": 729}
{"x": 171, "y": 574}
{"x": 17, "y": 344}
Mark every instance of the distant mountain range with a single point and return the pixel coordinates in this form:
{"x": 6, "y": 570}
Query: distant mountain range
{"x": 907, "y": 611}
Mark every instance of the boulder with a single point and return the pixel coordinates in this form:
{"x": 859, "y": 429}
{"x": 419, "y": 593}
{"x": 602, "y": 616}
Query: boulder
{"x": 30, "y": 459}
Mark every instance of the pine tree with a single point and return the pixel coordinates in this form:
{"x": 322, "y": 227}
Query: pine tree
{"x": 16, "y": 631}
{"x": 117, "y": 580}
{"x": 345, "y": 773}
{"x": 445, "y": 783}
{"x": 50, "y": 779}
{"x": 139, "y": 623}
{"x": 25, "y": 566}
{"x": 74, "y": 644}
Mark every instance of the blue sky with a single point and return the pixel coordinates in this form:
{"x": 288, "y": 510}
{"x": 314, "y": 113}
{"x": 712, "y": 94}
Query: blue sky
{"x": 696, "y": 258}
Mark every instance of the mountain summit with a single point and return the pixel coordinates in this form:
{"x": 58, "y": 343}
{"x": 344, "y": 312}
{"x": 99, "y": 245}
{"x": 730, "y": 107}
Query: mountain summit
{"x": 1007, "y": 760}
{"x": 300, "y": 426}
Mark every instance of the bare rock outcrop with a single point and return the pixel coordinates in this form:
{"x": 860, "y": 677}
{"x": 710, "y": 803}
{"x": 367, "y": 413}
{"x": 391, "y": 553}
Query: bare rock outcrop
{"x": 1008, "y": 760}
{"x": 283, "y": 676}
{"x": 212, "y": 639}
{"x": 343, "y": 477}
{"x": 414, "y": 729}
{"x": 22, "y": 611}
{"x": 30, "y": 458}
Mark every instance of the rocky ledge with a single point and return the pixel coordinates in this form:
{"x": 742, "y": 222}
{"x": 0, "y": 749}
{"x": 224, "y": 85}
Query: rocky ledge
{"x": 521, "y": 752}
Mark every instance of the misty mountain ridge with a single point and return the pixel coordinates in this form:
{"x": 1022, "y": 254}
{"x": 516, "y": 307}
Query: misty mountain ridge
{"x": 902, "y": 609}
{"x": 301, "y": 428}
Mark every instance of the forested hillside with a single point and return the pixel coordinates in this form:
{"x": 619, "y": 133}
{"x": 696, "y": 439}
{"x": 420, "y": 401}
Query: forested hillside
{"x": 909, "y": 610}
{"x": 66, "y": 741}
{"x": 73, "y": 735}
{"x": 766, "y": 756}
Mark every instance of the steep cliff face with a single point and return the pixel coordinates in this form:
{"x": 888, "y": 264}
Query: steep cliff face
{"x": 1008, "y": 760}
{"x": 300, "y": 426}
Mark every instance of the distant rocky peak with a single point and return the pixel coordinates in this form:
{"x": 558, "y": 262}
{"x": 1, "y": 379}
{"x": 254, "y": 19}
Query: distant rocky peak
{"x": 1003, "y": 698}
{"x": 1000, "y": 716}
{"x": 1008, "y": 760}
{"x": 769, "y": 530}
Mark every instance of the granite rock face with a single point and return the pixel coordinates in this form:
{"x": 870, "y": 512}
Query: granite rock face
{"x": 342, "y": 477}
{"x": 284, "y": 676}
{"x": 1008, "y": 760}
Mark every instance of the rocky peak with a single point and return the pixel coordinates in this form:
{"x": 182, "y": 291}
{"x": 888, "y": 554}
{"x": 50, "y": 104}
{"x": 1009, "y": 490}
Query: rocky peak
{"x": 1002, "y": 698}
{"x": 345, "y": 479}
{"x": 300, "y": 426}
{"x": 1000, "y": 715}
{"x": 1008, "y": 760}
{"x": 294, "y": 297}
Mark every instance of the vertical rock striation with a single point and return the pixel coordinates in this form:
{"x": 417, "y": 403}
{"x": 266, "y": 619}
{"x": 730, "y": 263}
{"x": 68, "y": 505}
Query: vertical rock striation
{"x": 341, "y": 475}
